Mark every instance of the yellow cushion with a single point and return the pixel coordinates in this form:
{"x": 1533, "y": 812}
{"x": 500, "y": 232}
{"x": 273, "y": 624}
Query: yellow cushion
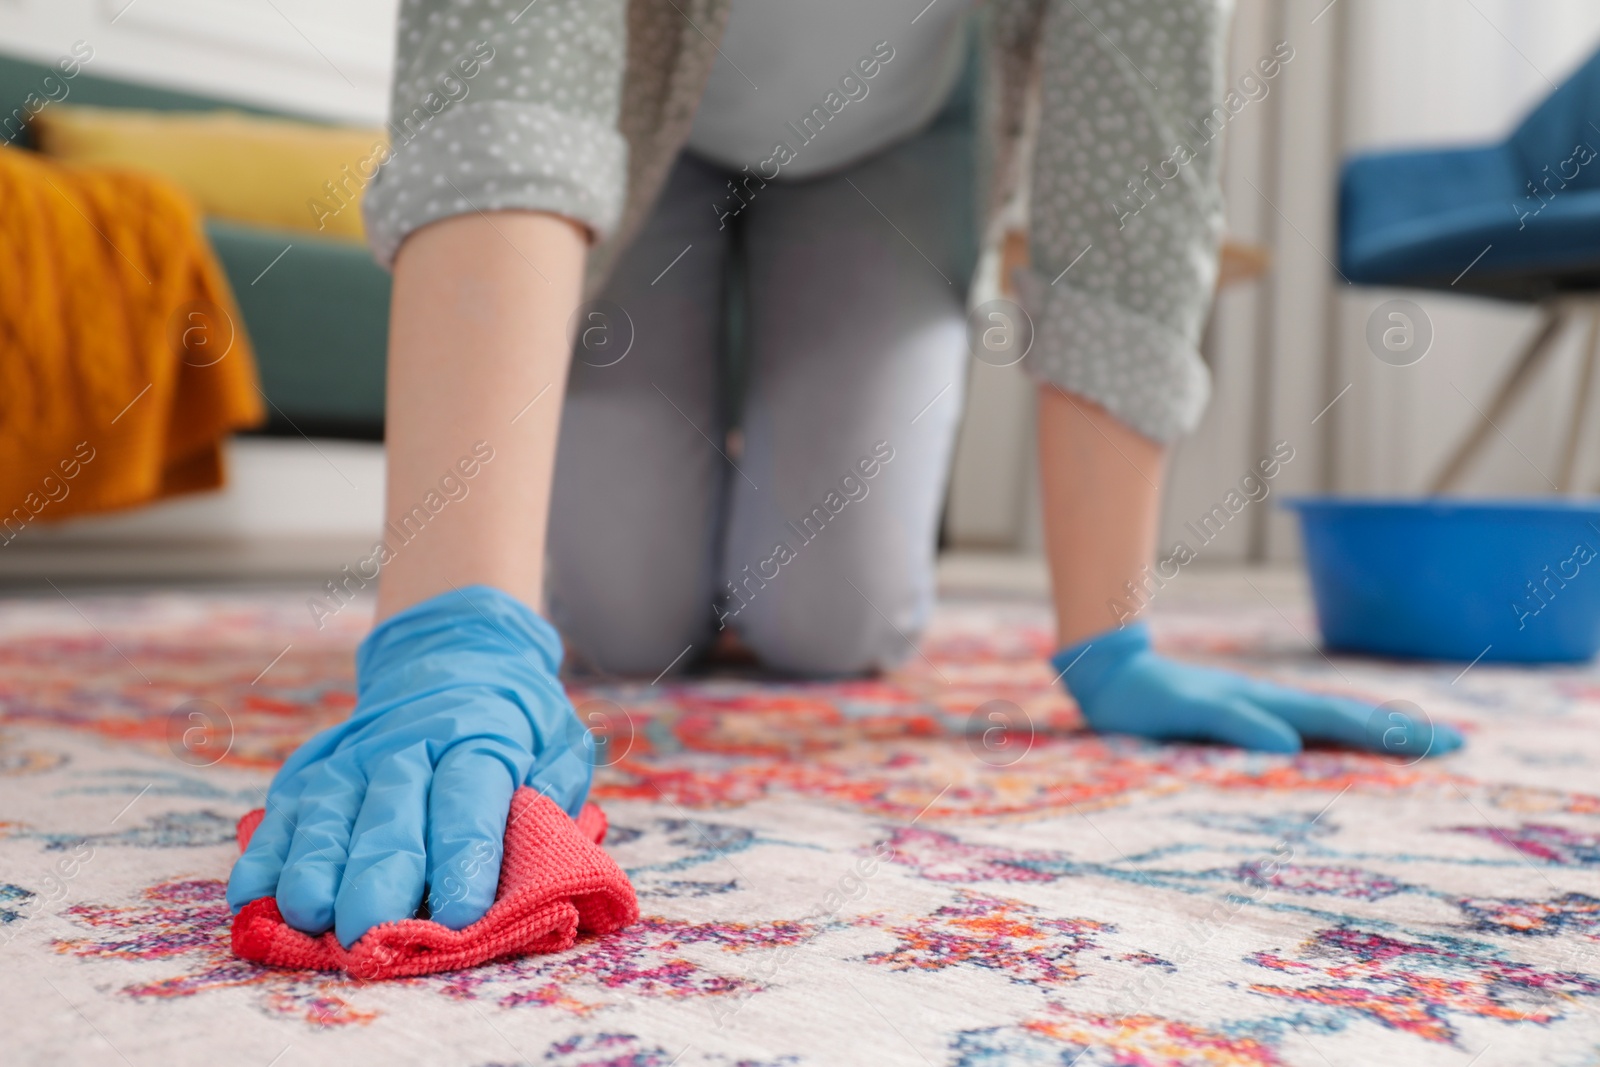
{"x": 247, "y": 168}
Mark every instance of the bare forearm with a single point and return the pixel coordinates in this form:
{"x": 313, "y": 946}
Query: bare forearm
{"x": 1101, "y": 491}
{"x": 478, "y": 331}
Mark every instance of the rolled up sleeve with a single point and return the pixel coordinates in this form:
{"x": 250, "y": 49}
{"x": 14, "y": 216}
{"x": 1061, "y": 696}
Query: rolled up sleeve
{"x": 500, "y": 106}
{"x": 1126, "y": 211}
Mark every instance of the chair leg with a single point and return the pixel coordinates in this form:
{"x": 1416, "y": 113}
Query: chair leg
{"x": 1512, "y": 387}
{"x": 1580, "y": 403}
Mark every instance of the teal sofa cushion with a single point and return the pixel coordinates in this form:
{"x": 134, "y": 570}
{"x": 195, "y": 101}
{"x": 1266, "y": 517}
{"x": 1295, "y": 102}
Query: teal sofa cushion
{"x": 318, "y": 316}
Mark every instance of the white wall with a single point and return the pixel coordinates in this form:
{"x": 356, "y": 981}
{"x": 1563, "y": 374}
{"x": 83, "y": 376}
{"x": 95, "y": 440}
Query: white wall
{"x": 311, "y": 56}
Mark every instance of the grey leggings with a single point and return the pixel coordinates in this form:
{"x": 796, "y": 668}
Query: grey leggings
{"x": 816, "y": 542}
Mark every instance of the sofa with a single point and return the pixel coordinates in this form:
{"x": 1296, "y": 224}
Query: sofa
{"x": 318, "y": 319}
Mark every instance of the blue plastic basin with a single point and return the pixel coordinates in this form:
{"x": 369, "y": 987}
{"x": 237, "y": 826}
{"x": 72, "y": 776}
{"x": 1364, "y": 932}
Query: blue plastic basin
{"x": 1509, "y": 580}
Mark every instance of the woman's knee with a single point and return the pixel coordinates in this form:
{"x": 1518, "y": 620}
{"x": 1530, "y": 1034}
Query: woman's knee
{"x": 643, "y": 640}
{"x": 831, "y": 622}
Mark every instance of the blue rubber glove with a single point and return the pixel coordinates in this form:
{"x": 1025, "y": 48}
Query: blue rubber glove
{"x": 1122, "y": 686}
{"x": 458, "y": 704}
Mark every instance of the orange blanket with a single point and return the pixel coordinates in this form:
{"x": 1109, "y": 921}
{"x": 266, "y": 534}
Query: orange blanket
{"x": 123, "y": 361}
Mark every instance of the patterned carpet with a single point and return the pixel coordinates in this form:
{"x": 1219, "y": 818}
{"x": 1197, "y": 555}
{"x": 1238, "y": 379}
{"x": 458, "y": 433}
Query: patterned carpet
{"x": 888, "y": 872}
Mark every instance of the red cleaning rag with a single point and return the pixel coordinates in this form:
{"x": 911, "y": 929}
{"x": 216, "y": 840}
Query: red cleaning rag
{"x": 555, "y": 880}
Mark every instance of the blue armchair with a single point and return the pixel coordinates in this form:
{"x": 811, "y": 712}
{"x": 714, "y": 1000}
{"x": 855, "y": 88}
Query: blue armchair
{"x": 1518, "y": 220}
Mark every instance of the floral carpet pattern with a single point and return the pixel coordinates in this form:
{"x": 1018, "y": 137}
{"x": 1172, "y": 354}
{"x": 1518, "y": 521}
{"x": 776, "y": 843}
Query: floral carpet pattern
{"x": 937, "y": 867}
